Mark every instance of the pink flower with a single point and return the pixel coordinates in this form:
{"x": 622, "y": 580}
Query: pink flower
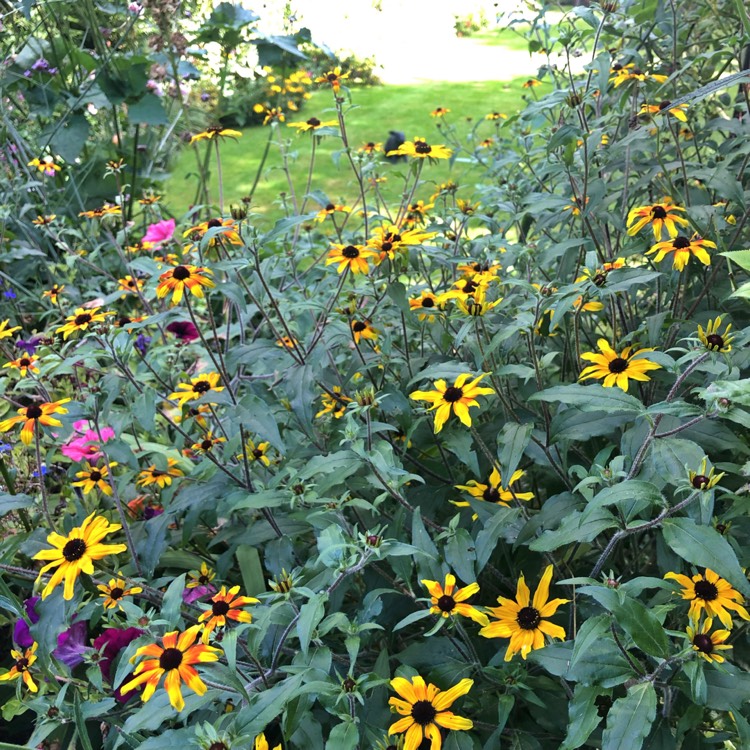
{"x": 160, "y": 232}
{"x": 84, "y": 445}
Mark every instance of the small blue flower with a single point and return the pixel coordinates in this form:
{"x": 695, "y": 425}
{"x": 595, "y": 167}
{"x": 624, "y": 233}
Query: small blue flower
{"x": 10, "y": 294}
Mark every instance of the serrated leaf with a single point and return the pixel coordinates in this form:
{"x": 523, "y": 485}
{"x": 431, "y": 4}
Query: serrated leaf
{"x": 630, "y": 718}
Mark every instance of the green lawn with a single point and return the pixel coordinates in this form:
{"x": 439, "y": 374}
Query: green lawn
{"x": 376, "y": 110}
{"x": 511, "y": 38}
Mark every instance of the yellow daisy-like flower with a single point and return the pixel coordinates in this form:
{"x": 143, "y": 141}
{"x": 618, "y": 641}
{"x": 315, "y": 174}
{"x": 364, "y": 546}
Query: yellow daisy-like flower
{"x": 329, "y": 209}
{"x": 683, "y": 248}
{"x": 225, "y": 606}
{"x": 149, "y": 200}
{"x": 175, "y": 659}
{"x": 416, "y": 213}
{"x": 81, "y": 319}
{"x": 711, "y": 338}
{"x": 34, "y": 415}
{"x": 616, "y": 368}
{"x": 494, "y": 491}
{"x": 75, "y": 553}
{"x": 282, "y": 583}
{"x": 707, "y": 643}
{"x": 201, "y": 577}
{"x": 258, "y": 452}
{"x": 287, "y": 342}
{"x": 468, "y": 287}
{"x": 493, "y": 116}
{"x": 420, "y": 149}
{"x": 261, "y": 743}
{"x": 333, "y": 77}
{"x": 575, "y": 206}
{"x": 476, "y": 304}
{"x": 439, "y": 112}
{"x": 177, "y": 280}
{"x": 114, "y": 592}
{"x": 665, "y": 106}
{"x": 94, "y": 476}
{"x": 427, "y": 304}
{"x": 486, "y": 143}
{"x": 197, "y": 387}
{"x": 53, "y": 293}
{"x": 362, "y": 329}
{"x": 334, "y": 405}
{"x": 215, "y": 132}
{"x": 531, "y": 83}
{"x": 705, "y": 481}
{"x": 270, "y": 114}
{"x": 425, "y": 709}
{"x": 129, "y": 284}
{"x": 370, "y": 147}
{"x": 208, "y": 443}
{"x": 228, "y": 231}
{"x": 448, "y": 601}
{"x": 711, "y": 593}
{"x": 42, "y": 221}
{"x": 457, "y": 397}
{"x": 388, "y": 240}
{"x": 481, "y": 272}
{"x": 659, "y": 215}
{"x": 46, "y": 165}
{"x": 25, "y": 365}
{"x": 625, "y": 73}
{"x": 161, "y": 477}
{"x": 523, "y": 619}
{"x": 312, "y": 124}
{"x": 353, "y": 257}
{"x": 108, "y": 209}
{"x": 21, "y": 667}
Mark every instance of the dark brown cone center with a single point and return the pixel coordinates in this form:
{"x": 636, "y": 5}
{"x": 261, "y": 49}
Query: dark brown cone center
{"x": 658, "y": 212}
{"x": 219, "y": 608}
{"x": 715, "y": 341}
{"x": 423, "y": 713}
{"x": 358, "y": 326}
{"x": 422, "y": 148}
{"x": 25, "y": 362}
{"x": 453, "y": 394}
{"x": 34, "y": 412}
{"x": 314, "y": 122}
{"x": 74, "y": 550}
{"x": 95, "y": 475}
{"x": 180, "y": 273}
{"x": 202, "y": 386}
{"x": 116, "y": 593}
{"x": 171, "y": 658}
{"x": 446, "y": 603}
{"x": 428, "y": 302}
{"x": 528, "y": 618}
{"x": 680, "y": 243}
{"x": 491, "y": 495}
{"x": 350, "y": 252}
{"x": 706, "y": 590}
{"x": 700, "y": 481}
{"x": 618, "y": 365}
{"x": 703, "y": 643}
{"x": 82, "y": 319}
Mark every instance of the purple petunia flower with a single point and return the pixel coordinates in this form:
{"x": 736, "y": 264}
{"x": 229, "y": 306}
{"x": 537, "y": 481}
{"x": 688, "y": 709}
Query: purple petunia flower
{"x": 184, "y": 330}
{"x": 71, "y": 645}
{"x": 110, "y": 643}
{"x": 21, "y": 634}
{"x": 30, "y": 345}
{"x": 189, "y": 596}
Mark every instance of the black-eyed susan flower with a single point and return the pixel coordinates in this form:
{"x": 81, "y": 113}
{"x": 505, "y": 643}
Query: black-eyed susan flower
{"x": 362, "y": 329}
{"x": 175, "y": 659}
{"x": 334, "y": 404}
{"x": 261, "y": 743}
{"x": 130, "y": 284}
{"x": 575, "y": 205}
{"x": 177, "y": 280}
{"x": 270, "y": 114}
{"x": 160, "y": 477}
{"x": 480, "y": 271}
{"x": 108, "y": 209}
{"x": 330, "y": 209}
{"x": 333, "y": 77}
{"x": 287, "y": 342}
{"x": 34, "y": 415}
{"x": 448, "y": 601}
{"x": 75, "y": 553}
{"x": 427, "y": 304}
{"x": 23, "y": 660}
{"x": 201, "y": 577}
{"x": 420, "y": 149}
{"x": 25, "y": 365}
{"x": 417, "y": 213}
{"x": 711, "y": 593}
{"x": 439, "y": 112}
{"x": 477, "y": 304}
{"x": 388, "y": 240}
{"x": 370, "y": 147}
{"x": 149, "y": 200}
{"x": 681, "y": 249}
{"x": 226, "y": 231}
{"x": 353, "y": 257}
{"x": 282, "y": 583}
{"x": 81, "y": 319}
{"x": 617, "y": 369}
{"x": 198, "y": 386}
{"x": 523, "y": 620}
{"x": 215, "y": 132}
{"x": 53, "y": 292}
{"x": 115, "y": 591}
{"x": 42, "y": 221}
{"x": 659, "y": 215}
{"x": 45, "y": 165}
{"x": 312, "y": 124}
{"x": 626, "y": 73}
{"x": 702, "y": 480}
{"x": 258, "y": 452}
{"x": 457, "y": 398}
{"x": 225, "y": 605}
{"x": 531, "y": 83}
{"x": 424, "y": 708}
{"x": 493, "y": 116}
{"x": 663, "y": 107}
{"x": 486, "y": 143}
{"x": 707, "y": 643}
{"x": 92, "y": 477}
{"x": 711, "y": 338}
{"x": 495, "y": 491}
{"x": 467, "y": 287}
{"x": 207, "y": 443}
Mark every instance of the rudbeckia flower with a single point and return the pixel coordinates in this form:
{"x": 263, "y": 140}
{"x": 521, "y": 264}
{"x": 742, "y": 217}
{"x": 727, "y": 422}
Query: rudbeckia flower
{"x": 228, "y": 231}
{"x": 215, "y": 132}
{"x": 711, "y": 593}
{"x": 312, "y": 124}
{"x": 258, "y": 452}
{"x": 197, "y": 387}
{"x": 208, "y": 443}
{"x": 700, "y": 480}
{"x": 575, "y": 206}
{"x": 42, "y": 221}
{"x": 425, "y": 709}
{"x": 420, "y": 149}
{"x": 707, "y": 643}
{"x": 175, "y": 659}
{"x": 523, "y": 619}
{"x": 370, "y": 147}
{"x": 439, "y": 112}
{"x": 46, "y": 165}
{"x": 531, "y": 83}
{"x": 335, "y": 405}
{"x": 476, "y": 304}
{"x": 202, "y": 577}
{"x": 270, "y": 114}
{"x": 261, "y": 743}
{"x": 75, "y": 553}
{"x": 129, "y": 284}
{"x": 33, "y": 415}
{"x": 665, "y": 106}
{"x": 416, "y": 213}
{"x": 427, "y": 304}
{"x": 711, "y": 338}
{"x": 457, "y": 397}
{"x": 21, "y": 667}
{"x": 494, "y": 491}
{"x": 114, "y": 592}
{"x": 683, "y": 248}
{"x": 659, "y": 215}
{"x": 329, "y": 209}
{"x": 625, "y": 73}
{"x": 108, "y": 209}
{"x": 492, "y": 116}
{"x": 616, "y": 368}
{"x": 53, "y": 293}
{"x": 362, "y": 329}
{"x": 333, "y": 77}
{"x": 25, "y": 365}
{"x": 94, "y": 476}
{"x": 161, "y": 477}
{"x": 177, "y": 280}
{"x": 81, "y": 319}
{"x": 388, "y": 240}
{"x": 225, "y": 606}
{"x": 448, "y": 601}
{"x": 353, "y": 257}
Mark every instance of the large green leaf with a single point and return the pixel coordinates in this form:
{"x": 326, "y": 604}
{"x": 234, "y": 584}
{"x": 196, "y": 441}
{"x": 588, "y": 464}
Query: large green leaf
{"x": 592, "y": 397}
{"x": 583, "y": 716}
{"x": 630, "y": 718}
{"x": 627, "y": 492}
{"x": 575, "y": 528}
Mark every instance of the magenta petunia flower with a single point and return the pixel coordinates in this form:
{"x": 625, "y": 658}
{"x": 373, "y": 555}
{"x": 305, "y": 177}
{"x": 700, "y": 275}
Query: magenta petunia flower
{"x": 110, "y": 643}
{"x": 84, "y": 446}
{"x": 184, "y": 330}
{"x": 160, "y": 232}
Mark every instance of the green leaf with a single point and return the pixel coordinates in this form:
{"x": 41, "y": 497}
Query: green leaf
{"x": 592, "y": 397}
{"x": 575, "y": 529}
{"x": 253, "y": 579}
{"x": 494, "y": 526}
{"x": 704, "y": 546}
{"x": 420, "y": 614}
{"x": 460, "y": 554}
{"x": 583, "y": 716}
{"x": 81, "y": 724}
{"x": 588, "y": 634}
{"x": 148, "y": 110}
{"x": 643, "y": 627}
{"x": 630, "y": 718}
{"x": 629, "y": 491}
{"x": 310, "y": 615}
{"x": 344, "y": 736}
{"x": 172, "y": 602}
{"x": 511, "y": 444}
{"x": 14, "y": 502}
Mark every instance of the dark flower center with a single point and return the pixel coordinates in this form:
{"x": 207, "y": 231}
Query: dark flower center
{"x": 703, "y": 643}
{"x": 428, "y": 302}
{"x": 171, "y": 658}
{"x": 202, "y": 386}
{"x": 680, "y": 243}
{"x": 618, "y": 365}
{"x": 332, "y": 77}
{"x": 74, "y": 550}
{"x": 82, "y": 319}
{"x": 657, "y": 212}
{"x": 370, "y": 145}
{"x": 157, "y": 473}
{"x": 350, "y": 252}
{"x": 330, "y": 207}
{"x": 219, "y": 608}
{"x": 358, "y": 326}
{"x": 470, "y": 287}
{"x": 446, "y": 603}
{"x": 258, "y": 453}
{"x": 453, "y": 394}
{"x": 600, "y": 278}
{"x": 617, "y": 66}
{"x": 713, "y": 339}
{"x": 22, "y": 664}
{"x": 206, "y": 445}
{"x": 491, "y": 495}
{"x": 25, "y": 362}
{"x": 422, "y": 148}
{"x": 116, "y": 593}
{"x": 34, "y": 412}
{"x": 180, "y": 273}
{"x": 387, "y": 246}
{"x": 95, "y": 475}
{"x": 217, "y": 746}
{"x": 203, "y": 579}
{"x": 314, "y": 122}
{"x": 212, "y": 223}
{"x": 637, "y": 72}
{"x": 706, "y": 590}
{"x": 124, "y": 320}
{"x": 528, "y": 618}
{"x": 423, "y": 712}
{"x": 666, "y": 104}
{"x": 700, "y": 481}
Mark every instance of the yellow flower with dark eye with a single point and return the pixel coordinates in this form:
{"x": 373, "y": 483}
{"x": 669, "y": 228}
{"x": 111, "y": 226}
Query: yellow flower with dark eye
{"x": 81, "y": 319}
{"x": 711, "y": 338}
{"x": 197, "y": 387}
{"x": 149, "y": 200}
{"x": 161, "y": 477}
{"x": 370, "y": 147}
{"x": 492, "y": 116}
{"x": 129, "y": 284}
{"x": 665, "y": 106}
{"x": 329, "y": 209}
{"x": 34, "y": 415}
{"x": 427, "y": 304}
{"x": 24, "y": 365}
{"x": 659, "y": 215}
{"x": 700, "y": 480}
{"x": 448, "y": 601}
{"x": 228, "y": 231}
{"x": 53, "y": 293}
{"x": 424, "y": 708}
{"x": 389, "y": 239}
{"x": 75, "y": 553}
{"x": 682, "y": 248}
{"x": 312, "y": 124}
{"x": 261, "y": 743}
{"x": 625, "y": 73}
{"x": 46, "y": 165}
{"x": 616, "y": 368}
{"x": 175, "y": 659}
{"x": 711, "y": 593}
{"x": 258, "y": 452}
{"x": 225, "y": 605}
{"x": 208, "y": 443}
{"x": 94, "y": 476}
{"x": 362, "y": 329}
{"x": 707, "y": 643}
{"x": 334, "y": 403}
{"x": 465, "y": 288}
{"x": 476, "y": 304}
{"x": 420, "y": 149}
{"x": 494, "y": 491}
{"x": 575, "y": 206}
{"x": 353, "y": 257}
{"x": 201, "y": 577}
{"x": 42, "y": 221}
{"x": 333, "y": 77}
{"x": 486, "y": 143}
{"x": 531, "y": 83}
{"x": 108, "y": 209}
{"x": 456, "y": 398}
{"x": 215, "y": 132}
{"x": 270, "y": 114}
{"x": 282, "y": 583}
{"x": 286, "y": 342}
{"x": 439, "y": 112}
{"x": 523, "y": 620}
{"x": 114, "y": 592}
{"x": 21, "y": 667}
{"x": 177, "y": 280}
{"x": 416, "y": 213}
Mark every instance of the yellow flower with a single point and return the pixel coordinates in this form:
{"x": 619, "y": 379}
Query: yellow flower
{"x": 46, "y": 164}
{"x": 225, "y": 605}
{"x": 94, "y": 476}
{"x": 658, "y": 215}
{"x": 439, "y": 112}
{"x": 703, "y": 481}
{"x": 160, "y": 477}
{"x": 312, "y": 124}
{"x": 712, "y": 593}
{"x": 228, "y": 232}
{"x": 33, "y": 415}
{"x": 448, "y": 601}
{"x": 353, "y": 257}
{"x": 107, "y": 209}
{"x": 177, "y": 280}
{"x": 427, "y": 304}
{"x": 665, "y": 106}
{"x": 175, "y": 659}
{"x": 329, "y": 209}
{"x": 21, "y": 667}
{"x": 370, "y": 147}
{"x": 424, "y": 708}
{"x": 42, "y": 221}
{"x": 334, "y": 404}
{"x": 706, "y": 643}
{"x": 531, "y": 83}
{"x": 416, "y": 213}
{"x": 575, "y": 206}
{"x": 477, "y": 304}
{"x": 201, "y": 577}
{"x": 81, "y": 319}
{"x": 75, "y": 553}
{"x": 333, "y": 77}
{"x": 494, "y": 491}
{"x": 115, "y": 590}
{"x": 683, "y": 248}
{"x": 457, "y": 397}
{"x": 258, "y": 452}
{"x": 625, "y": 73}
{"x": 523, "y": 619}
{"x": 492, "y": 116}
{"x": 261, "y": 743}
{"x": 270, "y": 114}
{"x": 24, "y": 365}
{"x": 420, "y": 149}
{"x": 711, "y": 338}
{"x": 208, "y": 443}
{"x": 214, "y": 132}
{"x": 616, "y": 368}
{"x": 361, "y": 329}
{"x": 129, "y": 284}
{"x": 149, "y": 200}
{"x": 53, "y": 293}
{"x": 388, "y": 240}
{"x": 197, "y": 387}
